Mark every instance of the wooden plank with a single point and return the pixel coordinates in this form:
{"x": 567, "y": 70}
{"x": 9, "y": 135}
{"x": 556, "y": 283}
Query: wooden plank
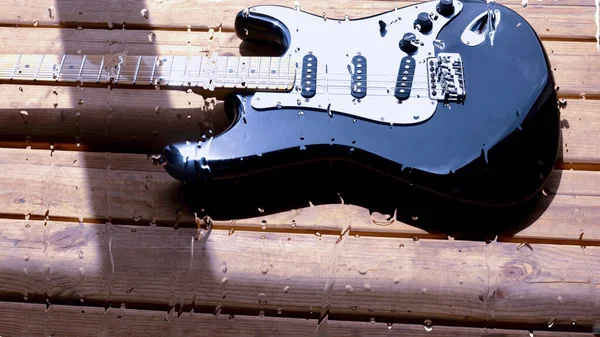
{"x": 20, "y": 319}
{"x": 564, "y": 19}
{"x": 391, "y": 279}
{"x": 96, "y": 186}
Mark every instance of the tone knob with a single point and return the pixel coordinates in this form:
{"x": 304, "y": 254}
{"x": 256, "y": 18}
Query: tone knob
{"x": 445, "y": 7}
{"x": 406, "y": 45}
{"x": 423, "y": 23}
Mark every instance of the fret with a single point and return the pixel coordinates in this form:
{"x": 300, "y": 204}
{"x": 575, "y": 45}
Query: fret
{"x": 145, "y": 73}
{"x": 228, "y": 70}
{"x": 153, "y": 70}
{"x": 269, "y": 73}
{"x": 118, "y": 71}
{"x": 37, "y": 72}
{"x": 243, "y": 63}
{"x": 137, "y": 70}
{"x": 278, "y": 73}
{"x": 100, "y": 70}
{"x": 62, "y": 62}
{"x": 202, "y": 58}
{"x": 177, "y": 70}
{"x": 16, "y": 65}
{"x": 185, "y": 75}
{"x": 170, "y": 70}
{"x": 81, "y": 68}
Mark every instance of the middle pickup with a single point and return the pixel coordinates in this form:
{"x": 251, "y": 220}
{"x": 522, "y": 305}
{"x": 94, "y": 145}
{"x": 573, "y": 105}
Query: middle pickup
{"x": 358, "y": 87}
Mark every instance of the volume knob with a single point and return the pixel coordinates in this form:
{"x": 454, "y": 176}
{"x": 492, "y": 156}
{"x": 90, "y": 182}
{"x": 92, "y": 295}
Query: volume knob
{"x": 423, "y": 22}
{"x": 406, "y": 43}
{"x": 445, "y": 7}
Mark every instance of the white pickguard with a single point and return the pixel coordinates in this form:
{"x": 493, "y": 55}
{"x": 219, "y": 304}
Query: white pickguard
{"x": 335, "y": 42}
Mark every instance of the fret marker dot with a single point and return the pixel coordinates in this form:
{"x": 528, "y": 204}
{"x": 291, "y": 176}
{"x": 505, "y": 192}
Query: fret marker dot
{"x": 273, "y": 71}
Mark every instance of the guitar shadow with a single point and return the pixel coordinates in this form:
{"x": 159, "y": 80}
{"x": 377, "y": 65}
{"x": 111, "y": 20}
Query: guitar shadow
{"x": 335, "y": 182}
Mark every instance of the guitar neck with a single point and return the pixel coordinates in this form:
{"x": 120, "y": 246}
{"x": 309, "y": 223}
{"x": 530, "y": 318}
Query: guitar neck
{"x": 233, "y": 72}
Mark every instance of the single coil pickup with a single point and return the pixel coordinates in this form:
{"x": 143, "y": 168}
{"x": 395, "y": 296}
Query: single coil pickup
{"x": 404, "y": 81}
{"x": 358, "y": 87}
{"x": 309, "y": 76}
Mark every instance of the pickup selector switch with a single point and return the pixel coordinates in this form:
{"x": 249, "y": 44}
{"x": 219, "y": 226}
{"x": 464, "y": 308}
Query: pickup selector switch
{"x": 406, "y": 44}
{"x": 445, "y": 7}
{"x": 423, "y": 23}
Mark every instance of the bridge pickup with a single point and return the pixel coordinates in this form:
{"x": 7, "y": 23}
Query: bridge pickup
{"x": 309, "y": 76}
{"x": 358, "y": 87}
{"x": 404, "y": 81}
{"x": 445, "y": 76}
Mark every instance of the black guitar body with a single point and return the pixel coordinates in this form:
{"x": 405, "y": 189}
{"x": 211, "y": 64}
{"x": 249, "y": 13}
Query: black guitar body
{"x": 495, "y": 147}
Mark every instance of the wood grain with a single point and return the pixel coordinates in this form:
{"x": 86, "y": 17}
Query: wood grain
{"x": 561, "y": 19}
{"x": 24, "y": 319}
{"x": 396, "y": 279}
{"x": 96, "y": 186}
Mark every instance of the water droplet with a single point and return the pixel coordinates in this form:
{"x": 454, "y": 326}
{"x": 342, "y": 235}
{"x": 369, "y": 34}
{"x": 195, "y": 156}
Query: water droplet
{"x": 262, "y": 299}
{"x": 264, "y": 237}
{"x": 559, "y": 300}
{"x": 286, "y": 289}
{"x": 265, "y": 269}
{"x": 36, "y": 23}
{"x": 261, "y": 313}
{"x": 263, "y": 225}
{"x": 144, "y": 13}
{"x": 372, "y": 320}
{"x": 530, "y": 333}
{"x": 439, "y": 44}
{"x": 362, "y": 271}
{"x": 367, "y": 287}
{"x": 25, "y": 298}
{"x": 573, "y": 322}
{"x": 261, "y": 210}
{"x": 416, "y": 238}
{"x": 415, "y": 218}
{"x": 396, "y": 280}
{"x": 349, "y": 289}
{"x": 80, "y": 254}
{"x": 357, "y": 236}
{"x": 278, "y": 105}
{"x": 151, "y": 37}
{"x": 137, "y": 218}
{"x": 390, "y": 325}
{"x": 353, "y": 308}
{"x": 551, "y": 323}
{"x": 25, "y": 271}
{"x": 318, "y": 234}
{"x": 279, "y": 311}
{"x": 224, "y": 280}
{"x": 231, "y": 231}
{"x": 26, "y": 257}
{"x": 428, "y": 325}
{"x": 224, "y": 268}
{"x": 300, "y": 113}
{"x": 231, "y": 317}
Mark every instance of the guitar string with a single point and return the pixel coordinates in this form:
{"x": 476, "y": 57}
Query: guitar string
{"x": 220, "y": 79}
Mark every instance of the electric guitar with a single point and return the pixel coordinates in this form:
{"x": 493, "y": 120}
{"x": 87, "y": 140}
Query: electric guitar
{"x": 453, "y": 97}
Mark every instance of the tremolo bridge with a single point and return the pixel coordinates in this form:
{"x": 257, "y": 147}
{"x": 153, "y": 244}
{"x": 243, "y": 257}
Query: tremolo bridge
{"x": 445, "y": 77}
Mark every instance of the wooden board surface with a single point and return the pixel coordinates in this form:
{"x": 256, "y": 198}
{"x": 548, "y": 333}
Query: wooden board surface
{"x": 83, "y": 321}
{"x": 54, "y": 204}
{"x": 397, "y": 279}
